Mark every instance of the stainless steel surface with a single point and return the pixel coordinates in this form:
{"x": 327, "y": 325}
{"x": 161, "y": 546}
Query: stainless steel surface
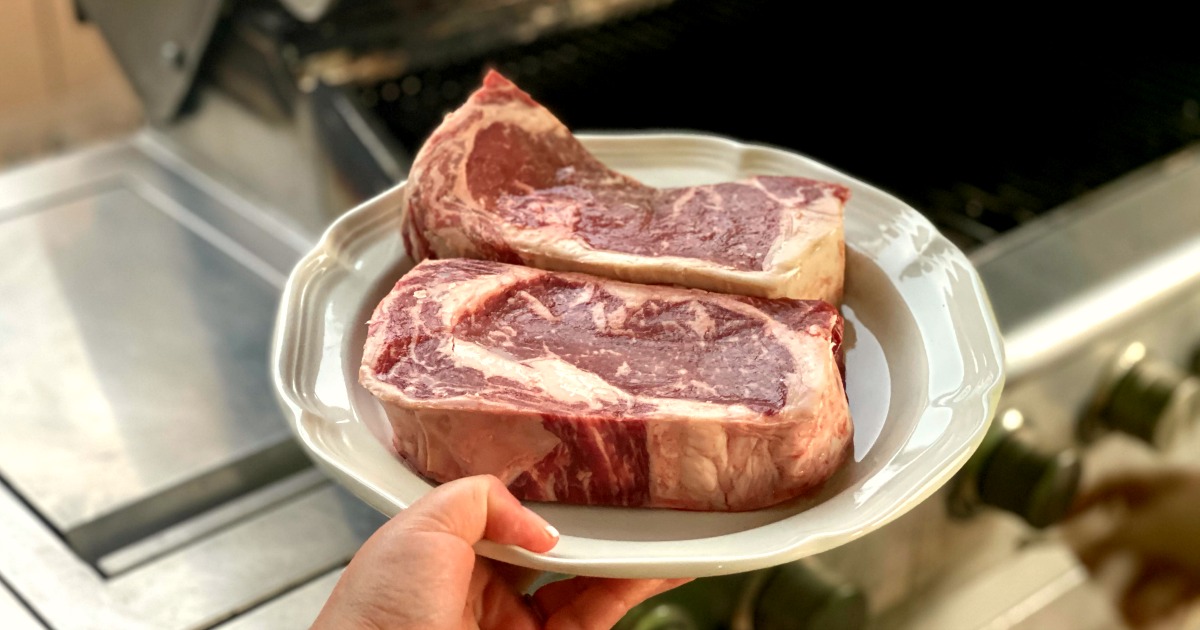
{"x": 158, "y": 44}
{"x": 1121, "y": 266}
{"x": 178, "y": 536}
{"x": 246, "y": 565}
{"x": 1074, "y": 605}
{"x": 14, "y": 615}
{"x": 147, "y": 473}
{"x": 132, "y": 350}
{"x": 195, "y": 587}
{"x": 1059, "y": 283}
{"x": 1026, "y": 593}
{"x": 276, "y": 163}
{"x": 55, "y": 582}
{"x": 297, "y": 609}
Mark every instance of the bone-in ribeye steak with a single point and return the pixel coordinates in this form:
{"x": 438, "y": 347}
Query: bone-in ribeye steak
{"x": 574, "y": 388}
{"x": 502, "y": 179}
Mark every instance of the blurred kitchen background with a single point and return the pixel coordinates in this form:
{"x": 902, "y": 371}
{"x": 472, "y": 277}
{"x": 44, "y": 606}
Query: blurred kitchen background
{"x": 165, "y": 163}
{"x": 61, "y": 86}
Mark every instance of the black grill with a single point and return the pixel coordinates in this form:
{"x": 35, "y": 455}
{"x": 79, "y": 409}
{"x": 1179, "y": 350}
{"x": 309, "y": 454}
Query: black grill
{"x": 978, "y": 142}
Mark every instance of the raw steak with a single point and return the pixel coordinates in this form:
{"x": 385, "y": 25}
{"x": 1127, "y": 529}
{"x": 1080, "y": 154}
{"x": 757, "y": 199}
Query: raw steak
{"x": 580, "y": 389}
{"x": 502, "y": 179}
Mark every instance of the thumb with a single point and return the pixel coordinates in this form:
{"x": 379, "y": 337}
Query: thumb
{"x": 478, "y": 508}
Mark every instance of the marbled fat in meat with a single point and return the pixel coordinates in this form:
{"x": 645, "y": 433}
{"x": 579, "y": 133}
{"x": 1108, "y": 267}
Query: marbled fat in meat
{"x": 502, "y": 179}
{"x": 596, "y": 331}
{"x": 580, "y": 389}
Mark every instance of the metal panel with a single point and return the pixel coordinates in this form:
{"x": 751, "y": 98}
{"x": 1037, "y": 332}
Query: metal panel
{"x": 132, "y": 350}
{"x": 297, "y": 609}
{"x": 1027, "y": 591}
{"x": 14, "y": 616}
{"x": 199, "y": 585}
{"x": 50, "y": 578}
{"x": 138, "y": 298}
{"x": 1058, "y": 283}
{"x": 159, "y": 45}
{"x": 278, "y": 164}
{"x": 173, "y": 538}
{"x": 241, "y": 567}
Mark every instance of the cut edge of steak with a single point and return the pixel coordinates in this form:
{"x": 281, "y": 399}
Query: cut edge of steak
{"x": 585, "y": 390}
{"x": 503, "y": 179}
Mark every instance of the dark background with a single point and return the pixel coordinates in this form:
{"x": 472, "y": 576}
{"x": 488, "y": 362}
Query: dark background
{"x": 979, "y": 134}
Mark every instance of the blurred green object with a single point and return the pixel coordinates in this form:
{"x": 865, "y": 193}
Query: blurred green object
{"x": 797, "y": 595}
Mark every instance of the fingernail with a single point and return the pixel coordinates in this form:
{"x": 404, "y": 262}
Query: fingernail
{"x": 550, "y": 529}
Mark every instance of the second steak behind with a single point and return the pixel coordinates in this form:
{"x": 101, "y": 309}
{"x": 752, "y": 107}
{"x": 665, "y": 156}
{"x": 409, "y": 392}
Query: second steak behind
{"x": 502, "y": 179}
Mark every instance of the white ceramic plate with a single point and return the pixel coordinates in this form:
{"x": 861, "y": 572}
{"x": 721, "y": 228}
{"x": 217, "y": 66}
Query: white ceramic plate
{"x": 924, "y": 372}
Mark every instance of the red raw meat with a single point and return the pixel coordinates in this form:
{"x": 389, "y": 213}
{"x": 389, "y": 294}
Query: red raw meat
{"x": 502, "y": 179}
{"x": 574, "y": 388}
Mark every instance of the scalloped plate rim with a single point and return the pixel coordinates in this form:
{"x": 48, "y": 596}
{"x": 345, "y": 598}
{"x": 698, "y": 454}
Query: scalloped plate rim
{"x": 349, "y": 231}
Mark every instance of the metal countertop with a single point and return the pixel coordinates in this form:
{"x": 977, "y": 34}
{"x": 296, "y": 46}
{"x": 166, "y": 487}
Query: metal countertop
{"x": 149, "y": 476}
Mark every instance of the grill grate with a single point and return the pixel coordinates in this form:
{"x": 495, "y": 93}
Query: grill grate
{"x": 979, "y": 152}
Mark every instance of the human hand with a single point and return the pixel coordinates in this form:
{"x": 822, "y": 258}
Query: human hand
{"x": 1157, "y": 521}
{"x": 420, "y": 571}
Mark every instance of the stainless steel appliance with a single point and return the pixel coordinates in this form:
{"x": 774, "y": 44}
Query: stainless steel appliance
{"x": 148, "y": 479}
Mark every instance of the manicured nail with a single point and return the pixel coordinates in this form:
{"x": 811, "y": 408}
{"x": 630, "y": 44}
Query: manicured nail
{"x": 550, "y": 529}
